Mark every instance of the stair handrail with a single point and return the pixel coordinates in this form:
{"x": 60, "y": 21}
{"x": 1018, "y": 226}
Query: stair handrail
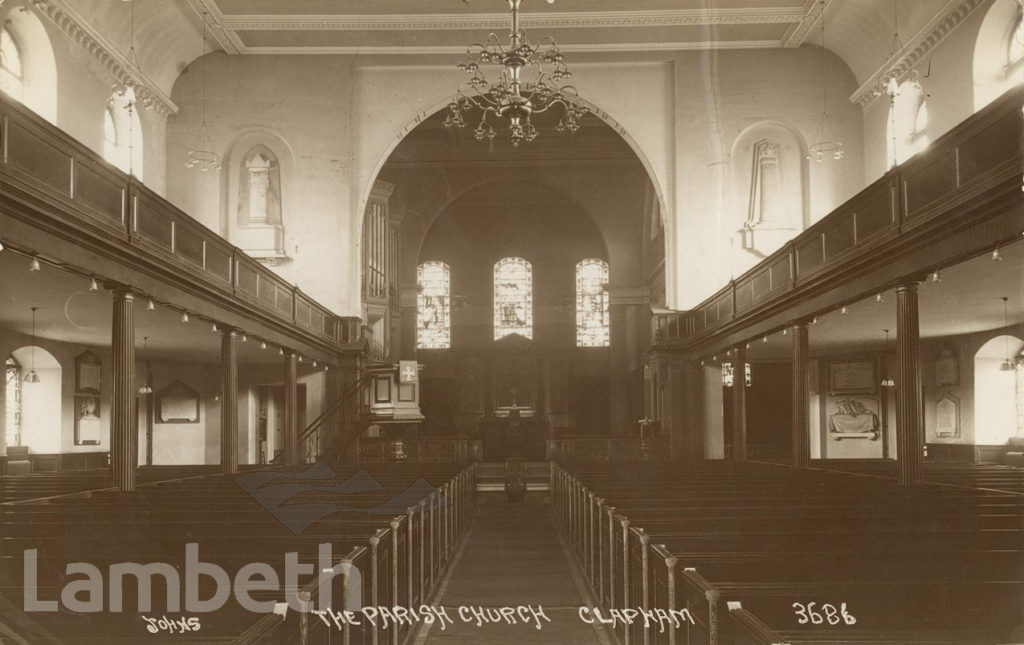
{"x": 330, "y": 409}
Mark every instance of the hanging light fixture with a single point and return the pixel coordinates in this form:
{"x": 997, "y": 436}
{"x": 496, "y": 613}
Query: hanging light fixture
{"x": 93, "y": 285}
{"x": 33, "y": 265}
{"x": 150, "y": 306}
{"x": 844, "y": 310}
{"x": 145, "y": 388}
{"x": 245, "y": 339}
{"x": 888, "y": 380}
{"x": 32, "y": 377}
{"x": 263, "y": 345}
{"x": 184, "y": 317}
{"x": 202, "y": 157}
{"x": 879, "y": 297}
{"x": 511, "y": 96}
{"x": 764, "y": 339}
{"x": 936, "y": 276}
{"x": 213, "y": 328}
{"x": 996, "y": 255}
{"x": 827, "y": 145}
{"x": 1007, "y": 364}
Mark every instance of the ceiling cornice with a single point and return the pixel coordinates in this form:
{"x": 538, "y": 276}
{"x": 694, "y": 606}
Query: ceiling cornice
{"x": 479, "y": 21}
{"x": 812, "y": 11}
{"x": 923, "y": 41}
{"x": 460, "y": 49}
{"x": 209, "y": 12}
{"x": 108, "y": 55}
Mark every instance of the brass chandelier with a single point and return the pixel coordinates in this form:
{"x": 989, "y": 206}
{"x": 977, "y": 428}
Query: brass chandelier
{"x": 531, "y": 79}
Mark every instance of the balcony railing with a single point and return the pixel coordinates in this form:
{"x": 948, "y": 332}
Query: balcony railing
{"x": 54, "y": 179}
{"x": 970, "y": 173}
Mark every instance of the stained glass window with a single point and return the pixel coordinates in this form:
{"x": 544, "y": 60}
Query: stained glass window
{"x": 513, "y": 298}
{"x": 433, "y": 306}
{"x": 12, "y": 401}
{"x": 592, "y": 304}
{"x": 11, "y": 80}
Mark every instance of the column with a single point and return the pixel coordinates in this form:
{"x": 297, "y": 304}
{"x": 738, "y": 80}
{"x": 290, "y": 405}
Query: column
{"x": 801, "y": 396}
{"x": 909, "y": 421}
{"x": 229, "y": 401}
{"x": 291, "y": 411}
{"x": 123, "y": 439}
{"x": 739, "y": 403}
{"x": 618, "y": 374}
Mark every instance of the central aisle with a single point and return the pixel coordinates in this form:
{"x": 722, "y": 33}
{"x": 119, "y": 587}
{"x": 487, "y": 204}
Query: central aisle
{"x": 512, "y": 557}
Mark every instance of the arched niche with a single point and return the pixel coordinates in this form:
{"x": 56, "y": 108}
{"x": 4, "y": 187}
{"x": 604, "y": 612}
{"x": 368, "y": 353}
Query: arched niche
{"x": 37, "y": 62}
{"x": 998, "y": 61}
{"x": 997, "y": 390}
{"x": 41, "y": 418}
{"x": 770, "y": 198}
{"x": 258, "y": 170}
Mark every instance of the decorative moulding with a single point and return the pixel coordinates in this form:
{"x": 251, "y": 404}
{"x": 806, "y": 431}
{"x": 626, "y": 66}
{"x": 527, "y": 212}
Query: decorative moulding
{"x": 926, "y": 39}
{"x": 97, "y": 45}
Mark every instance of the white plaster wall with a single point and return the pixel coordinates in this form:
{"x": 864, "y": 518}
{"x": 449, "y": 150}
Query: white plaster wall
{"x": 303, "y": 101}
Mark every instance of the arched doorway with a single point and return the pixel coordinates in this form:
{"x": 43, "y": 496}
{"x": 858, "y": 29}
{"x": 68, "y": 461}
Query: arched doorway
{"x": 997, "y": 391}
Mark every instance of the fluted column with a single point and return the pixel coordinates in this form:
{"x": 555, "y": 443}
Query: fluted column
{"x": 123, "y": 438}
{"x": 291, "y": 410}
{"x": 739, "y": 403}
{"x": 909, "y": 424}
{"x": 229, "y": 401}
{"x": 801, "y": 396}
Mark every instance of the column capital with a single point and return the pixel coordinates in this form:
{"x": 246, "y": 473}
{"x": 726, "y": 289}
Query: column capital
{"x": 909, "y": 285}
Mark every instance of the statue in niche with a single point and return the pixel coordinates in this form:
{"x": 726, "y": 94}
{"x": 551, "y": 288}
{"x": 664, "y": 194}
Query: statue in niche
{"x": 766, "y": 198}
{"x": 261, "y": 230}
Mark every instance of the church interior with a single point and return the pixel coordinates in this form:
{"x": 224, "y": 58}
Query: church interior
{"x": 329, "y": 321}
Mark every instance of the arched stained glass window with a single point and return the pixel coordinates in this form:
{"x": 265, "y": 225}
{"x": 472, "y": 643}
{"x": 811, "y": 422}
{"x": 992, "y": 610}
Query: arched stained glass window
{"x": 592, "y": 303}
{"x": 11, "y": 78}
{"x": 513, "y": 298}
{"x": 433, "y": 306}
{"x": 12, "y": 401}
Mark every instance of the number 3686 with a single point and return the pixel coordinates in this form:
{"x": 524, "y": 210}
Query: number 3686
{"x": 827, "y": 614}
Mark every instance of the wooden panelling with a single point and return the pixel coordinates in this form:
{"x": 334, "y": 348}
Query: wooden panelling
{"x": 990, "y": 147}
{"x": 809, "y": 255}
{"x": 303, "y": 312}
{"x": 978, "y": 162}
{"x": 100, "y": 194}
{"x": 267, "y": 291}
{"x": 876, "y": 215}
{"x": 218, "y": 261}
{"x": 153, "y": 224}
{"x": 761, "y": 284}
{"x": 781, "y": 276}
{"x": 284, "y": 300}
{"x": 929, "y": 181}
{"x": 77, "y": 185}
{"x": 744, "y": 295}
{"x": 40, "y": 160}
{"x": 248, "y": 280}
{"x": 839, "y": 238}
{"x": 725, "y": 305}
{"x": 188, "y": 244}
